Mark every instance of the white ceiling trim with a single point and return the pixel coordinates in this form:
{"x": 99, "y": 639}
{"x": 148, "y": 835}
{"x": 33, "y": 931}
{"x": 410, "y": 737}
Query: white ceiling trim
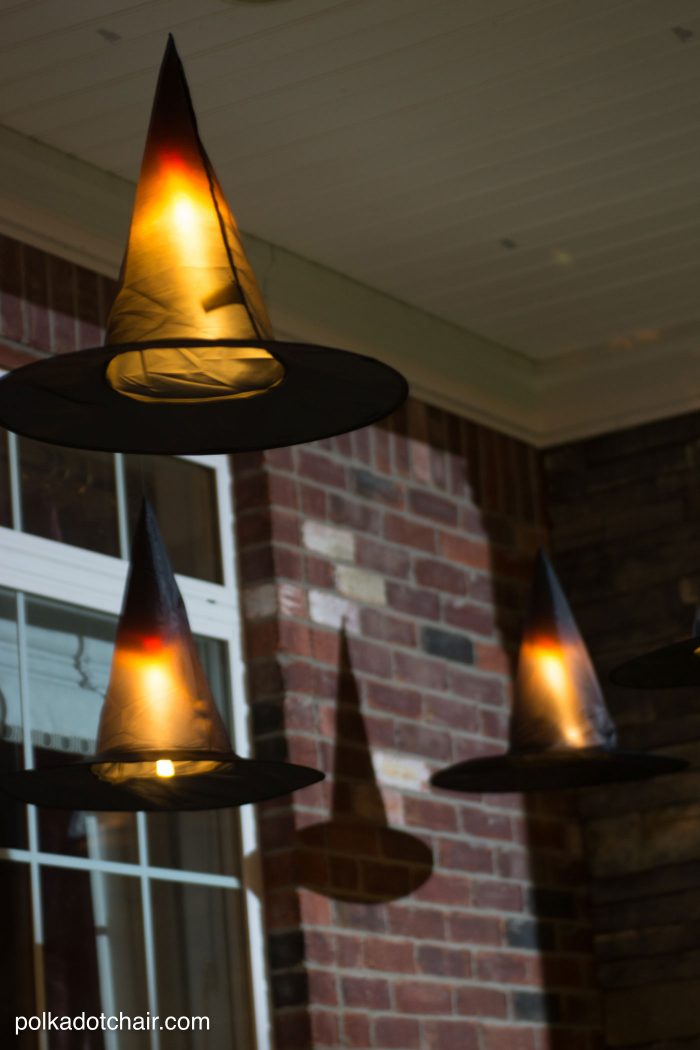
{"x": 68, "y": 207}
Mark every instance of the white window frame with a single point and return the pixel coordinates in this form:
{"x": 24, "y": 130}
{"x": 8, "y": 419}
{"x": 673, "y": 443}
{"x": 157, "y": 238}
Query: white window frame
{"x": 33, "y": 565}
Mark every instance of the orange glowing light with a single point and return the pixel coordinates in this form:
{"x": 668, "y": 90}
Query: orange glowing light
{"x": 551, "y": 667}
{"x": 185, "y": 274}
{"x": 165, "y": 768}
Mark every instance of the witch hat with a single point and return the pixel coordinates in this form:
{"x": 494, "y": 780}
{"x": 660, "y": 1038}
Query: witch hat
{"x": 190, "y": 364}
{"x": 356, "y": 855}
{"x": 668, "y": 667}
{"x": 561, "y": 733}
{"x": 161, "y": 743}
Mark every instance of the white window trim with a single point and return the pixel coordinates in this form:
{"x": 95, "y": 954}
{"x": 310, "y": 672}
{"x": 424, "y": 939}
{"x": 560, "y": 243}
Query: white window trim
{"x": 49, "y": 569}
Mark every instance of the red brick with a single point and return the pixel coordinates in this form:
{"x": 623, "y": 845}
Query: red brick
{"x": 457, "y": 715}
{"x": 397, "y": 1033}
{"x": 429, "y": 505}
{"x": 506, "y": 967}
{"x": 288, "y": 563}
{"x": 351, "y": 952}
{"x": 399, "y": 700}
{"x": 394, "y": 956}
{"x": 415, "y": 601}
{"x": 476, "y": 929}
{"x": 428, "y": 813}
{"x": 321, "y": 469}
{"x": 262, "y": 638}
{"x": 443, "y": 962}
{"x": 451, "y": 1035}
{"x": 370, "y": 993}
{"x": 320, "y": 948}
{"x": 382, "y": 449}
{"x": 423, "y": 997}
{"x": 420, "y": 671}
{"x": 493, "y": 658}
{"x": 407, "y": 533}
{"x": 325, "y": 1029}
{"x": 282, "y": 490}
{"x": 312, "y": 501}
{"x": 361, "y": 445}
{"x": 416, "y": 923}
{"x": 469, "y": 616}
{"x": 382, "y": 557}
{"x": 322, "y": 987}
{"x": 292, "y": 1030}
{"x": 508, "y": 1038}
{"x": 475, "y": 1001}
{"x": 501, "y": 896}
{"x": 465, "y": 856}
{"x": 319, "y": 572}
{"x": 315, "y": 910}
{"x": 416, "y": 739}
{"x": 370, "y": 658}
{"x": 356, "y": 1030}
{"x": 354, "y": 515}
{"x": 464, "y": 551}
{"x": 294, "y": 637}
{"x": 445, "y": 889}
{"x": 440, "y": 576}
{"x": 486, "y": 824}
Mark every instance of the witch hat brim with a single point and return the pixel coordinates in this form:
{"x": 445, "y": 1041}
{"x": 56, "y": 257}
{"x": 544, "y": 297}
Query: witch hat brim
{"x": 67, "y": 401}
{"x": 669, "y": 667}
{"x": 190, "y": 363}
{"x": 238, "y": 782}
{"x": 553, "y": 770}
{"x": 162, "y": 744}
{"x": 561, "y": 733}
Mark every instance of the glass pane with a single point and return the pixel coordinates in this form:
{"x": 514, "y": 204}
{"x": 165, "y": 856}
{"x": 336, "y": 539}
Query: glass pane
{"x": 5, "y": 504}
{"x": 69, "y": 495}
{"x": 93, "y": 954}
{"x": 201, "y": 963}
{"x": 69, "y": 653}
{"x": 17, "y": 956}
{"x": 13, "y": 818}
{"x": 207, "y": 841}
{"x": 183, "y": 495}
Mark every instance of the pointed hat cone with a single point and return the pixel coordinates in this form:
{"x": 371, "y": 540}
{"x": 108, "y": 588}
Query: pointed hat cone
{"x": 162, "y": 744}
{"x": 561, "y": 733}
{"x": 669, "y": 667}
{"x": 190, "y": 363}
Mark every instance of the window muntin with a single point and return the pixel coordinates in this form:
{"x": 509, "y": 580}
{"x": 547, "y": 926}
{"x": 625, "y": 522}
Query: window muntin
{"x": 72, "y": 496}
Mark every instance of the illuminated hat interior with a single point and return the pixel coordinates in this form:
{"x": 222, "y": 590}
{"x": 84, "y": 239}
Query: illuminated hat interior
{"x": 190, "y": 362}
{"x": 161, "y": 744}
{"x": 561, "y": 733}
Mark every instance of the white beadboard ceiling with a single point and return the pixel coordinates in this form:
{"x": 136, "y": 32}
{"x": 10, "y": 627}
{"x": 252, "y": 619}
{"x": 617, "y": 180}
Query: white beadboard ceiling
{"x": 528, "y": 170}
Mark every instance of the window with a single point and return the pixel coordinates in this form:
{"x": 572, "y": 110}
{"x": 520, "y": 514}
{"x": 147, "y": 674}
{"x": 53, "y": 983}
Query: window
{"x": 132, "y": 913}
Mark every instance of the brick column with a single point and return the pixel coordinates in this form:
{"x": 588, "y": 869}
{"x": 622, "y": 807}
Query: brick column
{"x": 415, "y": 539}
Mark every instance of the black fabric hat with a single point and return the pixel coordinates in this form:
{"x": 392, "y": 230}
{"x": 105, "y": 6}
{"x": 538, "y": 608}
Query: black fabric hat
{"x": 668, "y": 667}
{"x": 190, "y": 363}
{"x": 561, "y": 734}
{"x": 161, "y": 743}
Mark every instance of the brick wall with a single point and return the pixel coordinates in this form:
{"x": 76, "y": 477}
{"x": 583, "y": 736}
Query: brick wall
{"x": 384, "y": 577}
{"x": 625, "y": 511}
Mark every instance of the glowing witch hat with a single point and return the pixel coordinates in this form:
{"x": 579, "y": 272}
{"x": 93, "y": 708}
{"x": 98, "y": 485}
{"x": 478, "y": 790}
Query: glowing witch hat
{"x": 190, "y": 363}
{"x": 161, "y": 743}
{"x": 561, "y": 734}
{"x": 669, "y": 667}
